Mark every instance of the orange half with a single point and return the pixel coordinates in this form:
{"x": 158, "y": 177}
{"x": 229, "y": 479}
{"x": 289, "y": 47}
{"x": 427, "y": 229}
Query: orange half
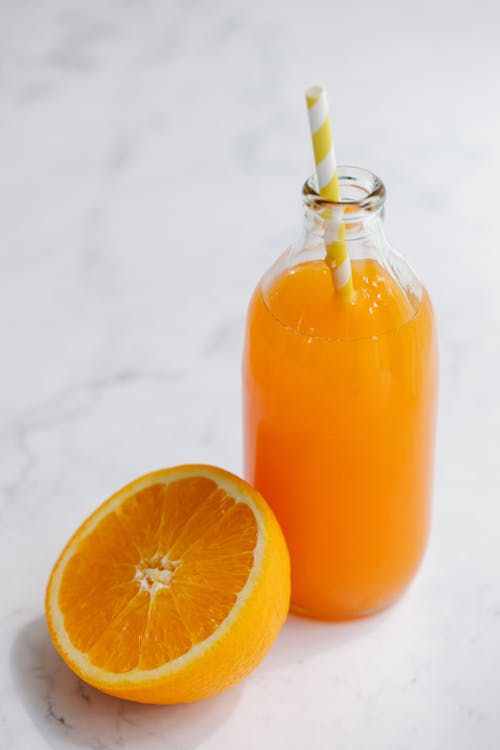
{"x": 174, "y": 589}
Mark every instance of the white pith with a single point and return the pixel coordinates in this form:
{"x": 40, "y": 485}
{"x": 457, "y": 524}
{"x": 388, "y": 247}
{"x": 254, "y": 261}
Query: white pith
{"x": 156, "y": 575}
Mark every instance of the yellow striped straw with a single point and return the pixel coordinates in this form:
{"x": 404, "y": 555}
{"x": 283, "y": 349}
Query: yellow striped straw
{"x": 337, "y": 255}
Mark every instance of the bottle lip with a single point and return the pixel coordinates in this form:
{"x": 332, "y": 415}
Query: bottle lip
{"x": 360, "y": 191}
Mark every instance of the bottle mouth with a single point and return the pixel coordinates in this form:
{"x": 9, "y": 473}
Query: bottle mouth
{"x": 360, "y": 191}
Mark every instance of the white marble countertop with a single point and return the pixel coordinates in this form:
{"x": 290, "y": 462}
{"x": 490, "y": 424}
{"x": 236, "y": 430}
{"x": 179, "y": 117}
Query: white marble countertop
{"x": 152, "y": 157}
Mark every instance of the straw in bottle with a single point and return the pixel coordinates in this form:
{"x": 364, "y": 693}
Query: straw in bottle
{"x": 337, "y": 255}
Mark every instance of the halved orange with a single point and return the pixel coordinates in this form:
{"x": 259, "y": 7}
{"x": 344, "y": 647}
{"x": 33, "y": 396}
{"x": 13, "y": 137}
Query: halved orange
{"x": 173, "y": 590}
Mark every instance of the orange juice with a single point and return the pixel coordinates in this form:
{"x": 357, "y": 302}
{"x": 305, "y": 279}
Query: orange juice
{"x": 339, "y": 413}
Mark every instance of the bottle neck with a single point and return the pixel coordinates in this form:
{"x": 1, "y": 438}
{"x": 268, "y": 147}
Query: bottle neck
{"x": 359, "y": 227}
{"x": 357, "y": 217}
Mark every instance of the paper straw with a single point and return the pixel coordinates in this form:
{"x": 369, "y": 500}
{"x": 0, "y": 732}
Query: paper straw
{"x": 337, "y": 255}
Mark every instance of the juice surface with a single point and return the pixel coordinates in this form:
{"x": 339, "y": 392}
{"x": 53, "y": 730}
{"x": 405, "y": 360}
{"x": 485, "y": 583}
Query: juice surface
{"x": 339, "y": 409}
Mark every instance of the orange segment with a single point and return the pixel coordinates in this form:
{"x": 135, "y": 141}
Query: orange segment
{"x": 168, "y": 566}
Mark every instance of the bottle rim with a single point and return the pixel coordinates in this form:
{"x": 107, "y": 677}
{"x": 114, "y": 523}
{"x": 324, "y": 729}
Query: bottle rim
{"x": 360, "y": 191}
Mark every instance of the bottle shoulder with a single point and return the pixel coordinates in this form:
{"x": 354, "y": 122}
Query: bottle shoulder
{"x": 301, "y": 298}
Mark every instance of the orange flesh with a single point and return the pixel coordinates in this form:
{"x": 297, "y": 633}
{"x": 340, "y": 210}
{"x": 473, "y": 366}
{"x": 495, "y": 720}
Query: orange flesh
{"x": 339, "y": 433}
{"x": 158, "y": 575}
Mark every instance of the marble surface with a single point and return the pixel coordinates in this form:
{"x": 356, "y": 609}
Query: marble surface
{"x": 152, "y": 157}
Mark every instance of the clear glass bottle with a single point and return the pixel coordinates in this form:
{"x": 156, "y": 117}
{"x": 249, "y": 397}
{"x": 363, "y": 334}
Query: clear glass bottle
{"x": 339, "y": 408}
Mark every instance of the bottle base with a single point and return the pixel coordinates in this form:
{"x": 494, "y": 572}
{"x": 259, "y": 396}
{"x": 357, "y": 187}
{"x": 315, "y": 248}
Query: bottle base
{"x": 343, "y": 616}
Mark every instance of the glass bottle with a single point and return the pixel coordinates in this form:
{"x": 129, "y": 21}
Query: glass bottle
{"x": 339, "y": 402}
